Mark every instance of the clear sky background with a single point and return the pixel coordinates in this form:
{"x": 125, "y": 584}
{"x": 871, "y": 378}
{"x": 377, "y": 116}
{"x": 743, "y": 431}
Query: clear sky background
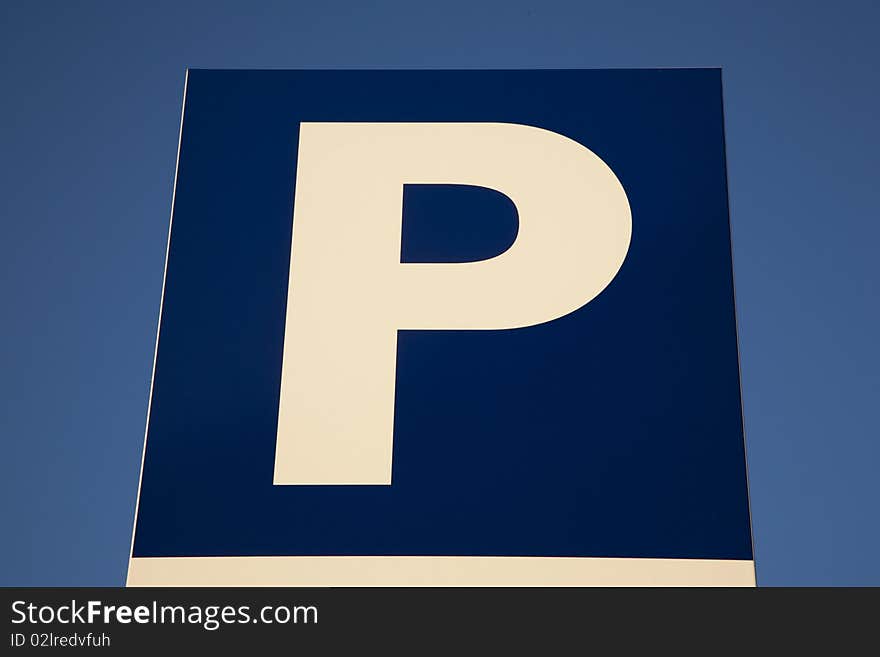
{"x": 89, "y": 113}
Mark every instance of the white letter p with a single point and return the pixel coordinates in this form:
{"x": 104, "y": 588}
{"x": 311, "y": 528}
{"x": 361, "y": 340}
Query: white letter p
{"x": 349, "y": 293}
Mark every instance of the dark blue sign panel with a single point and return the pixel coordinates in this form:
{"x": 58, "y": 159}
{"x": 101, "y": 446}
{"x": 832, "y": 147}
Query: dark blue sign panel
{"x": 550, "y": 346}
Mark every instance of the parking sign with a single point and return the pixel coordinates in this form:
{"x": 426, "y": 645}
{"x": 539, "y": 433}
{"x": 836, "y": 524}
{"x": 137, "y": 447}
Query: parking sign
{"x": 447, "y": 328}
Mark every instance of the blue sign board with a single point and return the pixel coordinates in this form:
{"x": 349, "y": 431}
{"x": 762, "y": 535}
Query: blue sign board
{"x": 447, "y": 327}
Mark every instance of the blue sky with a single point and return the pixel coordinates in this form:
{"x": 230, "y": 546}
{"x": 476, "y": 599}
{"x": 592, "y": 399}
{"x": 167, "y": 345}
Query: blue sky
{"x": 88, "y": 138}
